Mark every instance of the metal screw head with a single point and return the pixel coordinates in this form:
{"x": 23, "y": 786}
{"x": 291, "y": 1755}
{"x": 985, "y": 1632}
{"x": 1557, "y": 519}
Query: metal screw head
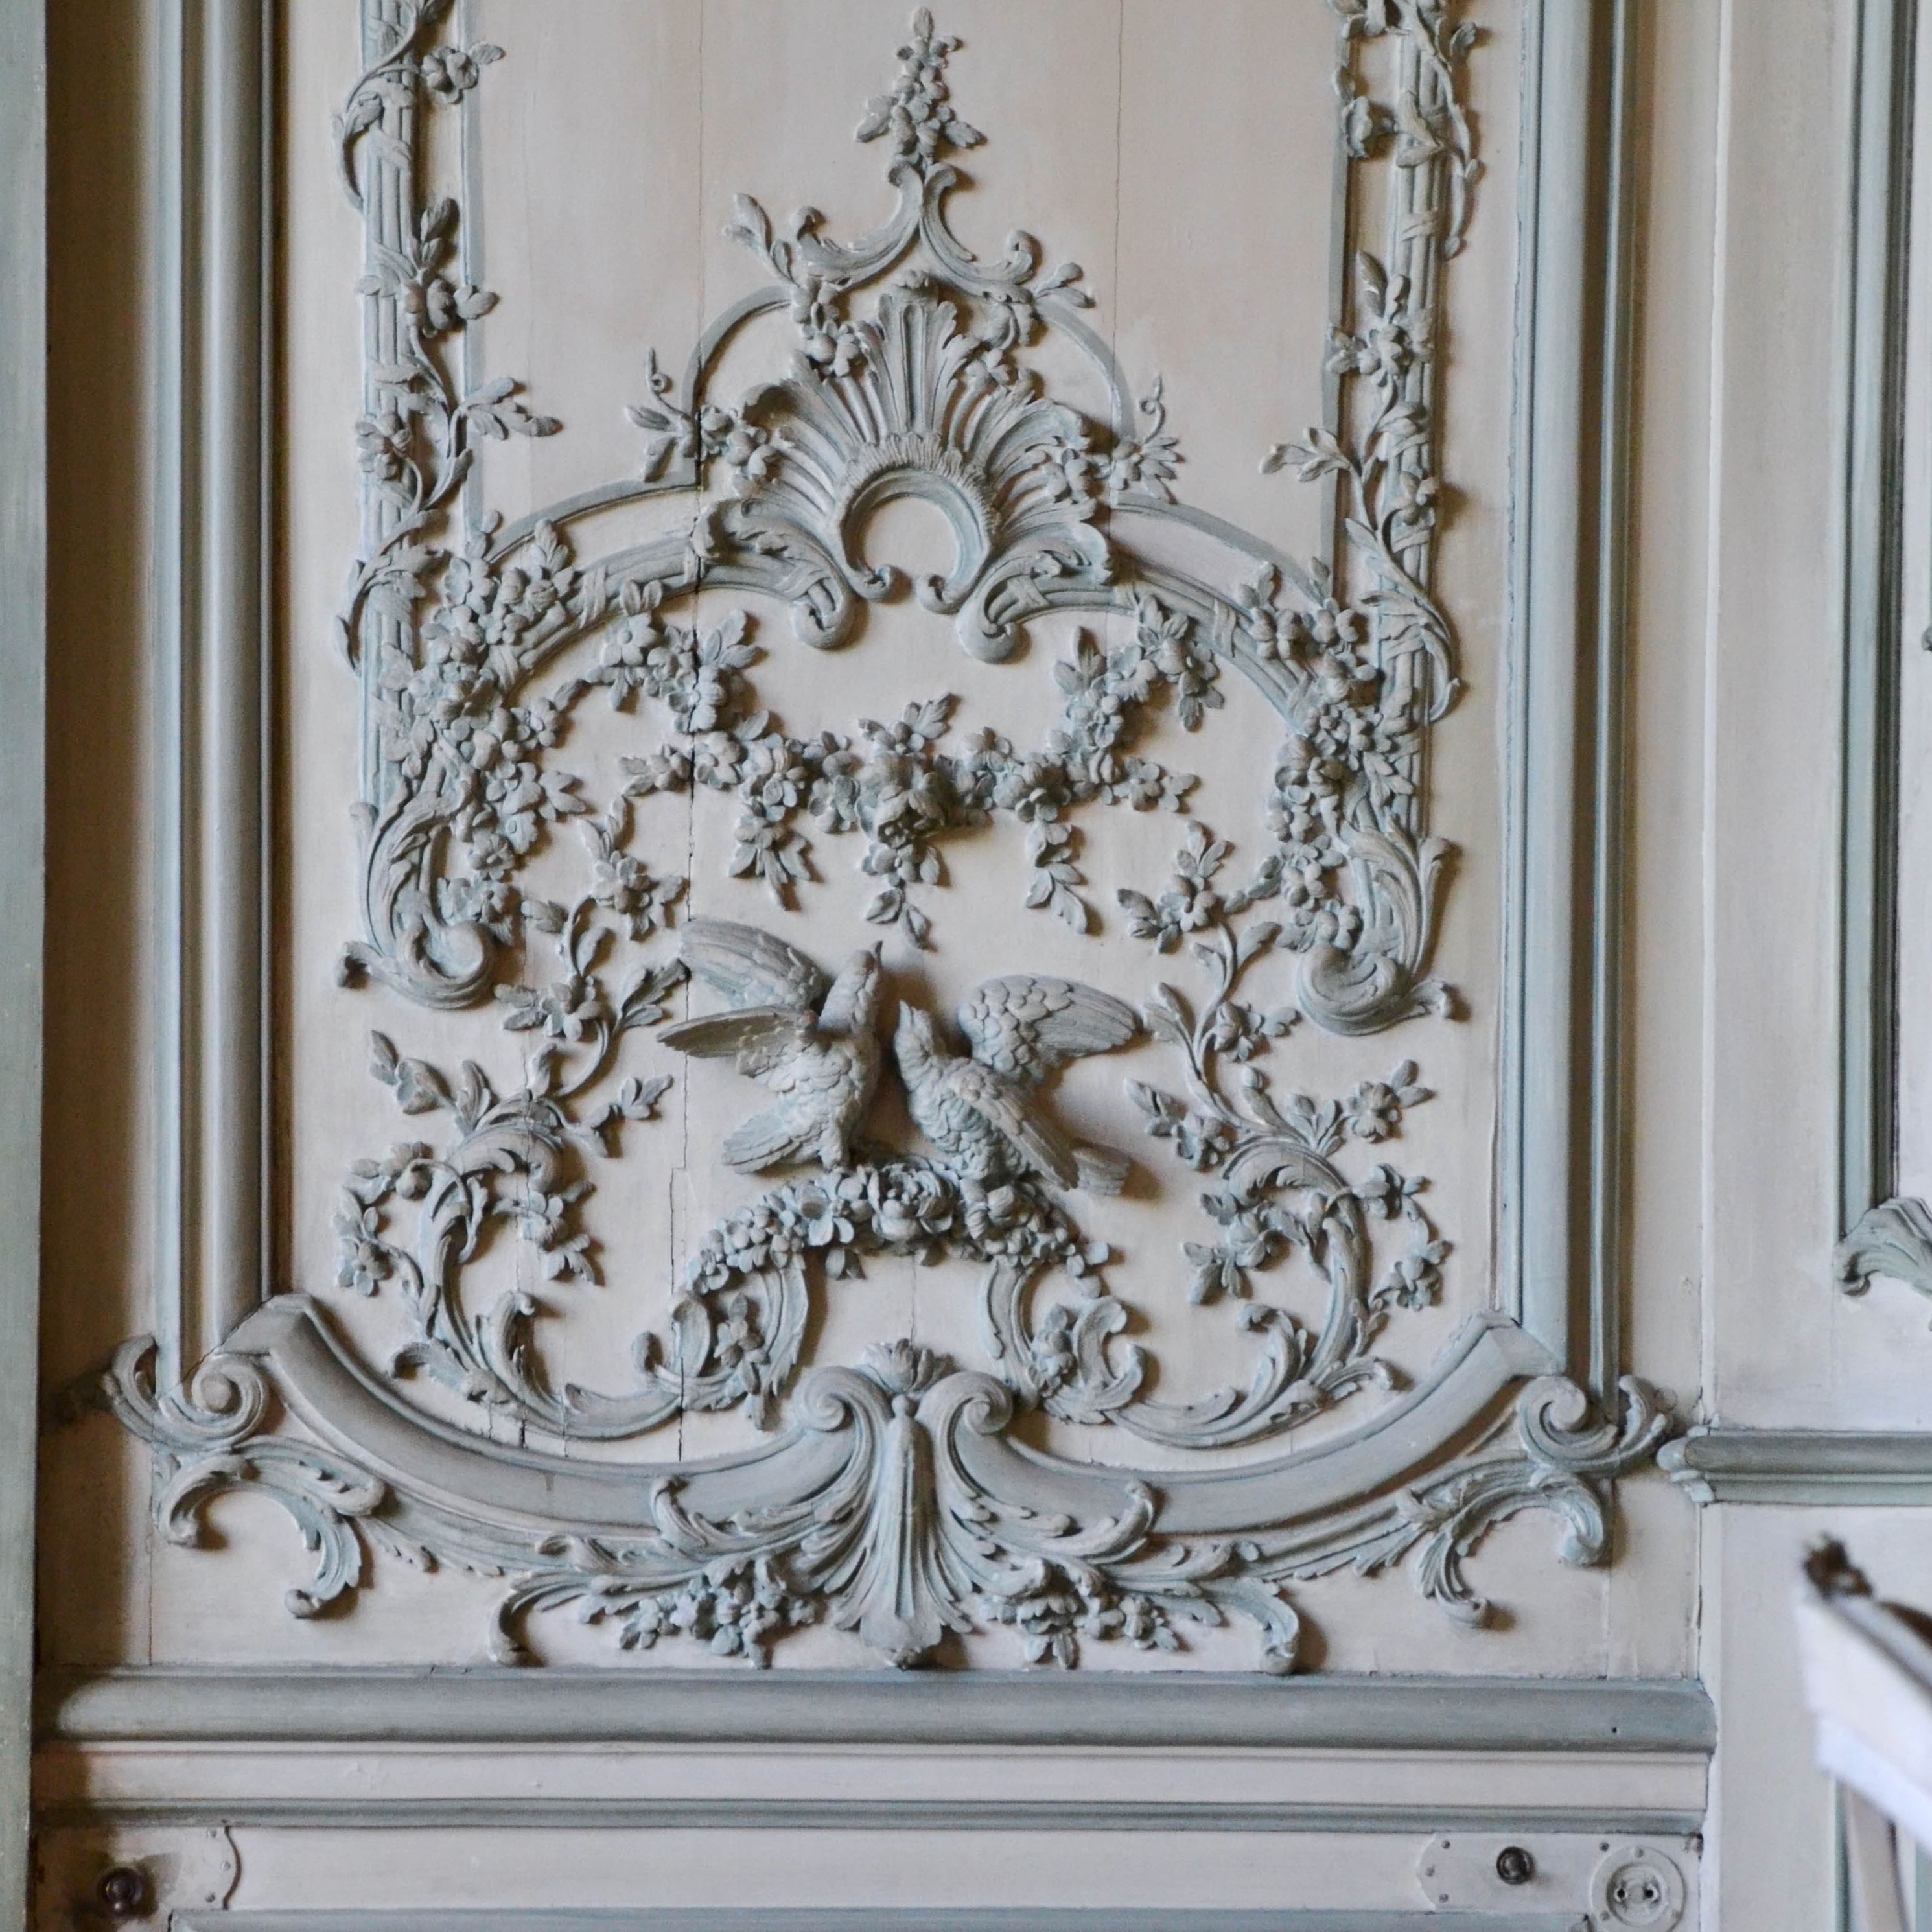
{"x": 1514, "y": 1865}
{"x": 122, "y": 1891}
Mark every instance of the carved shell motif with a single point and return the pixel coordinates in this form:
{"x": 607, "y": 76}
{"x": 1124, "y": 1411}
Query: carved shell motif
{"x": 914, "y": 405}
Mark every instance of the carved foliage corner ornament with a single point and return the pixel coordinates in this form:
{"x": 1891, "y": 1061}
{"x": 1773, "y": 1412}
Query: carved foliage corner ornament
{"x": 884, "y": 1497}
{"x": 1894, "y": 1239}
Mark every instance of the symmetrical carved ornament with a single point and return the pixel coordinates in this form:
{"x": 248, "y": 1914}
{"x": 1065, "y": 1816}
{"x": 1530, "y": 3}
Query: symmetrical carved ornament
{"x": 887, "y": 1496}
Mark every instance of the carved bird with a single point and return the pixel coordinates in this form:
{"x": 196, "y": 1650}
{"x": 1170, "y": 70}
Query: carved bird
{"x": 982, "y": 1113}
{"x": 811, "y": 1041}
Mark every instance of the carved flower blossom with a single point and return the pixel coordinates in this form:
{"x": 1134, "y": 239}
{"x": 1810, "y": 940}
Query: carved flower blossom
{"x": 624, "y": 886}
{"x": 450, "y": 73}
{"x": 735, "y": 1336}
{"x": 771, "y": 852}
{"x": 1032, "y": 788}
{"x": 365, "y": 1262}
{"x": 565, "y": 1009}
{"x": 1374, "y": 1110}
{"x": 667, "y": 769}
{"x": 910, "y": 1208}
{"x": 771, "y": 781}
{"x": 382, "y": 443}
{"x": 823, "y": 1216}
{"x": 1221, "y": 1267}
{"x": 1415, "y": 1279}
{"x": 1240, "y": 1032}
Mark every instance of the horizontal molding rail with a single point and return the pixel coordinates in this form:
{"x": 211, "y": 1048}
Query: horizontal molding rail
{"x": 879, "y": 1918}
{"x": 1847, "y": 1468}
{"x": 1007, "y": 1708}
{"x": 385, "y": 1813}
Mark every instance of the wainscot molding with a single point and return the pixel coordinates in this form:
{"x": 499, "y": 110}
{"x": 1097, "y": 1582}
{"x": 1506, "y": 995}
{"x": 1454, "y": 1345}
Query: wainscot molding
{"x": 950, "y": 1815}
{"x": 878, "y": 1918}
{"x": 1007, "y": 1709}
{"x": 1841, "y": 1468}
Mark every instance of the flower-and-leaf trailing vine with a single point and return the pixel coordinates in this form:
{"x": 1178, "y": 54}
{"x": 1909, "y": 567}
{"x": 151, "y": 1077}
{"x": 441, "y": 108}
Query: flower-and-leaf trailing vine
{"x": 884, "y": 1497}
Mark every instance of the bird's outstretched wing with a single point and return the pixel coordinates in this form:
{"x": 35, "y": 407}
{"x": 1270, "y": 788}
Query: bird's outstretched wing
{"x": 1035, "y": 1141}
{"x": 761, "y": 1039}
{"x": 749, "y": 966}
{"x": 1024, "y": 1026}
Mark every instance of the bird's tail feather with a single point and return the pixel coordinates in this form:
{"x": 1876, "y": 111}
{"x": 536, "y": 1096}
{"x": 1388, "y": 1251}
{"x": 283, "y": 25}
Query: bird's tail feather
{"x": 764, "y": 1140}
{"x": 1102, "y": 1170}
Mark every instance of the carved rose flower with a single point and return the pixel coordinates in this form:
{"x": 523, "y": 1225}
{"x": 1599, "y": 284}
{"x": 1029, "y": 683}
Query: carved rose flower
{"x": 450, "y": 73}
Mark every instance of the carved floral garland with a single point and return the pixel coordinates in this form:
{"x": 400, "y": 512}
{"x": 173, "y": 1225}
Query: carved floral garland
{"x": 900, "y": 1534}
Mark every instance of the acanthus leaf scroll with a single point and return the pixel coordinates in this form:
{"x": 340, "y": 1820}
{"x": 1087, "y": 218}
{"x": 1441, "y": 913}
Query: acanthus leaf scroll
{"x": 884, "y": 1498}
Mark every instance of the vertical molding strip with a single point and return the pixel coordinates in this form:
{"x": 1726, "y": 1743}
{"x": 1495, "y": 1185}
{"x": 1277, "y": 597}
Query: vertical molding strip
{"x": 1871, "y": 539}
{"x": 1881, "y": 1234}
{"x": 236, "y": 1191}
{"x": 1559, "y": 1169}
{"x": 1607, "y": 1127}
{"x": 211, "y": 640}
{"x": 23, "y": 551}
{"x": 176, "y": 191}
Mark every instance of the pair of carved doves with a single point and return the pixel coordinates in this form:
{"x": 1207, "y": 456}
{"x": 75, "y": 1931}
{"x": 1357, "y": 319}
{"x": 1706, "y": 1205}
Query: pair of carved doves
{"x": 813, "y": 1042}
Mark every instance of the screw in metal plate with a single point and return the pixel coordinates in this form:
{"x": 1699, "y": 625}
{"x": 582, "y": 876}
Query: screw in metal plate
{"x": 1514, "y": 1865}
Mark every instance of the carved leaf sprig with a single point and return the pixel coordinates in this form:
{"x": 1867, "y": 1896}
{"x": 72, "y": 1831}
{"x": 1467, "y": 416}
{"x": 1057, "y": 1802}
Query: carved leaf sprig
{"x": 1427, "y": 122}
{"x": 408, "y": 67}
{"x": 917, "y": 117}
{"x": 514, "y": 1162}
{"x": 1279, "y": 1190}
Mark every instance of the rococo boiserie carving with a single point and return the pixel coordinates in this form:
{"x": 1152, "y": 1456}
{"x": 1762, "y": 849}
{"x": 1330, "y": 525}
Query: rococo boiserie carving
{"x": 885, "y": 1497}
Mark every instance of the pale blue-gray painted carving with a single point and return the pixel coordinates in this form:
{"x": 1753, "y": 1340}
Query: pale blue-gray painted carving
{"x": 1893, "y": 1239}
{"x": 886, "y": 1498}
{"x": 812, "y": 1041}
{"x": 928, "y": 394}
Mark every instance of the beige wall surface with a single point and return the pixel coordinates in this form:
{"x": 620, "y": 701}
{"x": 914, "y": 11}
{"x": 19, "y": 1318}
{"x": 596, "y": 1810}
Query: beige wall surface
{"x": 1183, "y": 152}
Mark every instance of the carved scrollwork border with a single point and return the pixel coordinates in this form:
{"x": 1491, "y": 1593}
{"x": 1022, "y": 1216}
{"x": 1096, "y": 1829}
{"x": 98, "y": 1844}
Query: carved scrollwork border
{"x": 889, "y": 1499}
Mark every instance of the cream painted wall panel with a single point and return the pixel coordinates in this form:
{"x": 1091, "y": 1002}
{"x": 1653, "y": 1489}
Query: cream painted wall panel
{"x": 1248, "y": 1871}
{"x": 1786, "y": 1350}
{"x": 98, "y": 1204}
{"x": 593, "y": 187}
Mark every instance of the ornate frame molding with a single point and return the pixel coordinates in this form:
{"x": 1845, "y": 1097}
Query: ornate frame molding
{"x": 1885, "y": 1234}
{"x": 890, "y": 1498}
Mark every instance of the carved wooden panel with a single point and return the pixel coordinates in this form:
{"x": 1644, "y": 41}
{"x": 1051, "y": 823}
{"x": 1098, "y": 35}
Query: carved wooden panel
{"x": 930, "y": 984}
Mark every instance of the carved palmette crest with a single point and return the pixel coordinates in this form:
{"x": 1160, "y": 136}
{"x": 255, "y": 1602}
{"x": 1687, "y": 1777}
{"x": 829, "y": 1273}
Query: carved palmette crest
{"x": 885, "y": 1498}
{"x": 915, "y": 405}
